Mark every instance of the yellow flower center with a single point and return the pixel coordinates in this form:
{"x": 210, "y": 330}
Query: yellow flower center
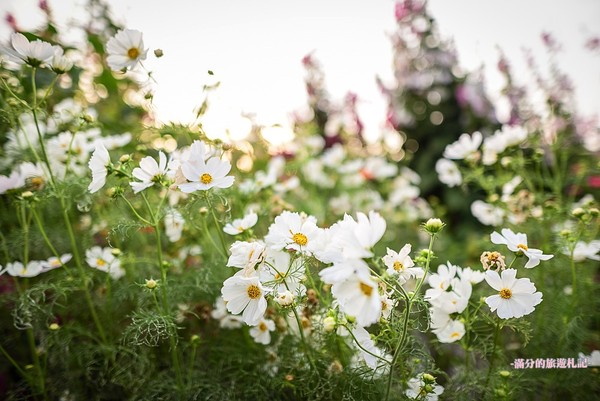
{"x": 253, "y": 292}
{"x": 300, "y": 239}
{"x": 398, "y": 266}
{"x": 262, "y": 326}
{"x": 37, "y": 181}
{"x": 366, "y": 289}
{"x": 523, "y": 247}
{"x": 206, "y": 178}
{"x": 505, "y": 293}
{"x": 493, "y": 256}
{"x": 100, "y": 262}
{"x": 455, "y": 335}
{"x": 133, "y": 53}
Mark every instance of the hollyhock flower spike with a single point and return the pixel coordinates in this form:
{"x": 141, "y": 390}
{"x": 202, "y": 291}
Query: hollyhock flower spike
{"x": 515, "y": 298}
{"x": 518, "y": 244}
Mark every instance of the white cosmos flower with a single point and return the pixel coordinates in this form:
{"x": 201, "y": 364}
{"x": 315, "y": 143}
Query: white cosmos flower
{"x": 448, "y": 172}
{"x": 358, "y": 296}
{"x": 149, "y": 172}
{"x": 280, "y": 272}
{"x": 174, "y": 222}
{"x": 584, "y": 250}
{"x": 238, "y": 226}
{"x": 515, "y": 298}
{"x": 487, "y": 214}
{"x": 226, "y": 319}
{"x": 245, "y": 295}
{"x": 400, "y": 264}
{"x": 293, "y": 231}
{"x": 60, "y": 63}
{"x": 203, "y": 173}
{"x": 17, "y": 269}
{"x": 452, "y": 332}
{"x": 341, "y": 270}
{"x": 125, "y": 49}
{"x": 104, "y": 260}
{"x": 22, "y": 51}
{"x": 54, "y": 262}
{"x": 245, "y": 255}
{"x": 518, "y": 243}
{"x": 354, "y": 239}
{"x": 440, "y": 281}
{"x": 471, "y": 275}
{"x": 99, "y": 163}
{"x": 368, "y": 351}
{"x": 466, "y": 146}
{"x": 262, "y": 331}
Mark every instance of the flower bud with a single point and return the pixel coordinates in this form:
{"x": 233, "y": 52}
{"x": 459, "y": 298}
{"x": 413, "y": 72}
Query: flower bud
{"x": 115, "y": 251}
{"x": 61, "y": 64}
{"x": 285, "y": 298}
{"x": 428, "y": 388}
{"x": 195, "y": 339}
{"x": 594, "y": 212}
{"x": 578, "y": 212}
{"x": 504, "y": 373}
{"x": 433, "y": 226}
{"x": 427, "y": 378}
{"x": 203, "y": 211}
{"x": 329, "y": 324}
{"x": 111, "y": 192}
{"x": 151, "y": 284}
{"x": 158, "y": 53}
{"x": 124, "y": 158}
{"x": 26, "y": 194}
{"x": 54, "y": 326}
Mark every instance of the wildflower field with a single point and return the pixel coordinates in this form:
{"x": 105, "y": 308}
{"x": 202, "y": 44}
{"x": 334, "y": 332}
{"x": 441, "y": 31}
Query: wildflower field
{"x": 456, "y": 257}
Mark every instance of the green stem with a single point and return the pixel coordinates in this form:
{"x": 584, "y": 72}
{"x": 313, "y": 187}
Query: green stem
{"x": 217, "y": 225}
{"x": 364, "y": 349}
{"x": 36, "y": 362}
{"x": 5, "y": 249}
{"x": 37, "y": 128}
{"x": 165, "y": 302}
{"x": 409, "y": 302}
{"x": 13, "y": 362}
{"x": 143, "y": 220}
{"x": 492, "y": 357}
{"x": 77, "y": 258}
{"x": 298, "y": 322}
{"x": 217, "y": 247}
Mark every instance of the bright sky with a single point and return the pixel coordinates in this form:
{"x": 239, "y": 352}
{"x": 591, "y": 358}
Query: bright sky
{"x": 255, "y": 48}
